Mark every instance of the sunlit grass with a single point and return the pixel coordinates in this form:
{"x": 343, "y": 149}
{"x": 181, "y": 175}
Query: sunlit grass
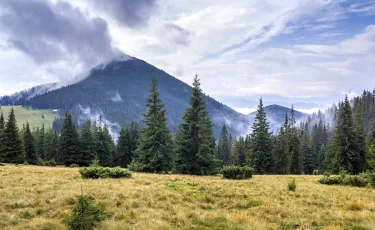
{"x": 35, "y": 197}
{"x": 33, "y": 116}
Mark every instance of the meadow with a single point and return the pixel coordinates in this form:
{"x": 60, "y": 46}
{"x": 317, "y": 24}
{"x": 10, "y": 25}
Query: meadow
{"x": 33, "y": 116}
{"x": 35, "y": 197}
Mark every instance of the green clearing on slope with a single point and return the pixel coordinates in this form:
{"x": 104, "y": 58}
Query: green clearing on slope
{"x": 33, "y": 116}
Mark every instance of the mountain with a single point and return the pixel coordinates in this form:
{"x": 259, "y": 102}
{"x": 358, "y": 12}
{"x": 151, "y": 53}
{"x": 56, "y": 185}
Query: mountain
{"x": 117, "y": 91}
{"x": 276, "y": 115}
{"x": 27, "y": 94}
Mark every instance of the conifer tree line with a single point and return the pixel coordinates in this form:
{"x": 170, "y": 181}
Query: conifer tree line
{"x": 344, "y": 143}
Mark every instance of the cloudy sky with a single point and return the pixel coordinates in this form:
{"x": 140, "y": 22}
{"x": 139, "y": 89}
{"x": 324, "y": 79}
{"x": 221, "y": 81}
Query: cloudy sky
{"x": 312, "y": 51}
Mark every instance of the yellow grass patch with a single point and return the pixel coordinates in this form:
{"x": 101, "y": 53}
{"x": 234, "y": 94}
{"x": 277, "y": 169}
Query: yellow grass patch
{"x": 35, "y": 197}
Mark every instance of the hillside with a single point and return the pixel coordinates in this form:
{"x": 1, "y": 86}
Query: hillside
{"x": 33, "y": 116}
{"x": 117, "y": 92}
{"x": 276, "y": 115}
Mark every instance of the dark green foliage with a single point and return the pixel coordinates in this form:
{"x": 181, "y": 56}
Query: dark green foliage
{"x": 345, "y": 153}
{"x": 281, "y": 150}
{"x": 239, "y": 154}
{"x": 195, "y": 142}
{"x": 50, "y": 144}
{"x": 103, "y": 144}
{"x": 155, "y": 151}
{"x": 86, "y": 154}
{"x": 127, "y": 143}
{"x": 2, "y": 138}
{"x": 292, "y": 185}
{"x": 68, "y": 142}
{"x": 315, "y": 172}
{"x": 40, "y": 145}
{"x": 361, "y": 180}
{"x": 104, "y": 172}
{"x": 12, "y": 146}
{"x": 224, "y": 147}
{"x": 359, "y": 160}
{"x": 50, "y": 163}
{"x": 296, "y": 166}
{"x": 28, "y": 142}
{"x": 261, "y": 146}
{"x": 307, "y": 155}
{"x": 40, "y": 162}
{"x": 85, "y": 214}
{"x": 237, "y": 172}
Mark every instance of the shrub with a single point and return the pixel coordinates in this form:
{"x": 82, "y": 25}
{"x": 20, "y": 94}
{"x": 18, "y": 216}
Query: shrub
{"x": 40, "y": 162}
{"x": 355, "y": 180}
{"x": 292, "y": 185}
{"x": 74, "y": 166}
{"x": 371, "y": 178}
{"x": 104, "y": 172}
{"x": 237, "y": 172}
{"x": 361, "y": 180}
{"x": 85, "y": 214}
{"x": 330, "y": 180}
{"x": 1, "y": 164}
{"x": 316, "y": 172}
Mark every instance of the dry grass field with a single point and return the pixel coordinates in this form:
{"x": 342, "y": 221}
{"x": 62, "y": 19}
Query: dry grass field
{"x": 33, "y": 197}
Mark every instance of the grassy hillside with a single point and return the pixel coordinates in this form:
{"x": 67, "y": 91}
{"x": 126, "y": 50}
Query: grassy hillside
{"x": 33, "y": 116}
{"x": 35, "y": 197}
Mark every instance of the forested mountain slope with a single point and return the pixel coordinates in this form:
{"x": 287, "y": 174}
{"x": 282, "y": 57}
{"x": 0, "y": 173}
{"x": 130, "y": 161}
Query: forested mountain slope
{"x": 118, "y": 90}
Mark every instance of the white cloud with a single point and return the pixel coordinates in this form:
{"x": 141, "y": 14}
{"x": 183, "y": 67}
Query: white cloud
{"x": 245, "y": 110}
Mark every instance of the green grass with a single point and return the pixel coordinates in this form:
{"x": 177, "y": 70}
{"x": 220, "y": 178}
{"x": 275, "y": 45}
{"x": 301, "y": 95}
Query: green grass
{"x": 34, "y": 197}
{"x": 33, "y": 116}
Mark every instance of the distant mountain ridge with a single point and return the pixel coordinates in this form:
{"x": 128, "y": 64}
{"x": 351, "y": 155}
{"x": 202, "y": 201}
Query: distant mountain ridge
{"x": 117, "y": 91}
{"x": 276, "y": 115}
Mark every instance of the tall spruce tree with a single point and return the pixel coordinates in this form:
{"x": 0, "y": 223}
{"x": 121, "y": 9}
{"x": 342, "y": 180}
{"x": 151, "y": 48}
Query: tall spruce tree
{"x": 224, "y": 147}
{"x": 123, "y": 155}
{"x": 86, "y": 154}
{"x": 281, "y": 150}
{"x": 40, "y": 149}
{"x": 294, "y": 148}
{"x": 306, "y": 153}
{"x": 68, "y": 142}
{"x": 28, "y": 140}
{"x": 2, "y": 126}
{"x": 13, "y": 149}
{"x": 155, "y": 151}
{"x": 195, "y": 145}
{"x": 345, "y": 138}
{"x": 261, "y": 142}
{"x": 240, "y": 151}
{"x": 360, "y": 163}
{"x": 51, "y": 141}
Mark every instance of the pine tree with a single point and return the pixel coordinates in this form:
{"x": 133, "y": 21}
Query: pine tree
{"x": 40, "y": 149}
{"x": 2, "y": 140}
{"x": 224, "y": 146}
{"x": 360, "y": 163}
{"x": 155, "y": 150}
{"x": 13, "y": 149}
{"x": 261, "y": 142}
{"x": 282, "y": 154}
{"x": 294, "y": 148}
{"x": 103, "y": 143}
{"x": 30, "y": 153}
{"x": 345, "y": 139}
{"x": 195, "y": 145}
{"x": 68, "y": 142}
{"x": 306, "y": 153}
{"x": 240, "y": 151}
{"x": 86, "y": 154}
{"x": 51, "y": 141}
{"x": 123, "y": 155}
